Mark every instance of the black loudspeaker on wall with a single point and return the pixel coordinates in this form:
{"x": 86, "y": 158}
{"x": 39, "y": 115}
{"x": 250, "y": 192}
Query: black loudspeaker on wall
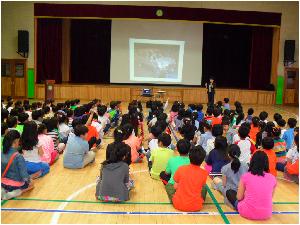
{"x": 23, "y": 43}
{"x": 289, "y": 52}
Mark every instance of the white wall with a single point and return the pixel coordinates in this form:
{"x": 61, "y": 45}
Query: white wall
{"x": 19, "y": 15}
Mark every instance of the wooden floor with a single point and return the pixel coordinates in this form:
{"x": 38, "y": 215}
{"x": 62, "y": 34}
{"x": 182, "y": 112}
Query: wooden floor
{"x": 67, "y": 196}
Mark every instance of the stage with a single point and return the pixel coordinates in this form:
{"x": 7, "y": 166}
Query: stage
{"x": 126, "y": 93}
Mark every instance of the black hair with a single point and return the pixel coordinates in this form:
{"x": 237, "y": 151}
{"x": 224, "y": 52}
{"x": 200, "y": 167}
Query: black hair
{"x": 22, "y": 117}
{"x": 175, "y": 108}
{"x": 207, "y": 125}
{"x": 165, "y": 139}
{"x": 117, "y": 152}
{"x": 29, "y": 137}
{"x": 217, "y": 130}
{"x": 128, "y": 128}
{"x": 226, "y": 100}
{"x": 69, "y": 112}
{"x": 119, "y": 134}
{"x": 199, "y": 107}
{"x": 80, "y": 130}
{"x": 263, "y": 115}
{"x": 62, "y": 118}
{"x": 243, "y": 131}
{"x": 14, "y": 112}
{"x": 239, "y": 118}
{"x": 276, "y": 132}
{"x": 37, "y": 114}
{"x": 259, "y": 163}
{"x": 156, "y": 131}
{"x": 188, "y": 131}
{"x": 12, "y": 121}
{"x": 269, "y": 127}
{"x": 255, "y": 121}
{"x": 46, "y": 109}
{"x": 4, "y": 114}
{"x": 225, "y": 121}
{"x": 234, "y": 152}
{"x": 9, "y": 98}
{"x": 9, "y": 104}
{"x": 101, "y": 110}
{"x": 197, "y": 155}
{"x": 84, "y": 118}
{"x": 292, "y": 122}
{"x": 183, "y": 146}
{"x": 281, "y": 122}
{"x": 209, "y": 111}
{"x": 268, "y": 143}
{"x": 76, "y": 122}
{"x": 250, "y": 111}
{"x": 217, "y": 112}
{"x": 41, "y": 128}
{"x": 221, "y": 146}
{"x": 4, "y": 127}
{"x": 8, "y": 140}
{"x": 26, "y": 107}
{"x": 51, "y": 123}
{"x": 277, "y": 117}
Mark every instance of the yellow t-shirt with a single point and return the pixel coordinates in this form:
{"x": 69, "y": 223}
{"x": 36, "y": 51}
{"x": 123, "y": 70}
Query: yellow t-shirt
{"x": 160, "y": 158}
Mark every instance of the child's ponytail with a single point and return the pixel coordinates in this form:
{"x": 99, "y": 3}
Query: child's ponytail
{"x": 234, "y": 153}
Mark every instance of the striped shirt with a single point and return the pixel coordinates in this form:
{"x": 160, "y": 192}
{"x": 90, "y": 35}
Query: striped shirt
{"x": 279, "y": 147}
{"x": 54, "y": 135}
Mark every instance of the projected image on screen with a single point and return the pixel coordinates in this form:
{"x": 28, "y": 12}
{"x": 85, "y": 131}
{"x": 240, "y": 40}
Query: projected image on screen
{"x": 156, "y": 60}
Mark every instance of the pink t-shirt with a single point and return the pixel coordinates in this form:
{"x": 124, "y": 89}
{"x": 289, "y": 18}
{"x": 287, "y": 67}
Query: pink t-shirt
{"x": 134, "y": 143}
{"x": 48, "y": 147}
{"x": 257, "y": 202}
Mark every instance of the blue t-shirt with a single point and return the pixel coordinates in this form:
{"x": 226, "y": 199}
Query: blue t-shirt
{"x": 74, "y": 154}
{"x": 200, "y": 116}
{"x": 216, "y": 160}
{"x": 288, "y": 136}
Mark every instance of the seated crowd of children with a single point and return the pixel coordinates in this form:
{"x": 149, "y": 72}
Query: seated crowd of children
{"x": 239, "y": 152}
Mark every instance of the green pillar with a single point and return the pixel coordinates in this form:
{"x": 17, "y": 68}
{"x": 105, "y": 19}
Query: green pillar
{"x": 279, "y": 90}
{"x": 30, "y": 83}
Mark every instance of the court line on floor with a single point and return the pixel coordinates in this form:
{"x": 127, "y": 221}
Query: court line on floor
{"x": 219, "y": 208}
{"x": 56, "y": 215}
{"x": 123, "y": 203}
{"x": 132, "y": 213}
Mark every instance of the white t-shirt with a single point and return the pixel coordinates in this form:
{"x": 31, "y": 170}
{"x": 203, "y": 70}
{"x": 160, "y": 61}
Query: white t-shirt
{"x": 32, "y": 155}
{"x": 293, "y": 154}
{"x": 97, "y": 125}
{"x": 210, "y": 145}
{"x": 153, "y": 144}
{"x": 64, "y": 130}
{"x": 282, "y": 132}
{"x": 29, "y": 115}
{"x": 245, "y": 146}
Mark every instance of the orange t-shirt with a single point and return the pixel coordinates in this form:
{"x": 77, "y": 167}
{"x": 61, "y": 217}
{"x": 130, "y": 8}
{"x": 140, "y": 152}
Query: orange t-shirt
{"x": 293, "y": 168}
{"x": 253, "y": 132}
{"x": 272, "y": 160}
{"x": 190, "y": 180}
{"x": 92, "y": 132}
{"x": 216, "y": 120}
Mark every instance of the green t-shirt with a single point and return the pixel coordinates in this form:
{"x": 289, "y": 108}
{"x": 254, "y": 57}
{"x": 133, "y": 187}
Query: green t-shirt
{"x": 2, "y": 137}
{"x": 112, "y": 113}
{"x": 73, "y": 107}
{"x": 160, "y": 158}
{"x": 20, "y": 128}
{"x": 174, "y": 163}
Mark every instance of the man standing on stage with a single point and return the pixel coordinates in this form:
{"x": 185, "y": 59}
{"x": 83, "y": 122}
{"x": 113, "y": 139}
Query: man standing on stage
{"x": 211, "y": 91}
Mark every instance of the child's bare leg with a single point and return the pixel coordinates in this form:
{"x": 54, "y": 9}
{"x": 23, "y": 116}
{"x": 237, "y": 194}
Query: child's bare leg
{"x": 217, "y": 180}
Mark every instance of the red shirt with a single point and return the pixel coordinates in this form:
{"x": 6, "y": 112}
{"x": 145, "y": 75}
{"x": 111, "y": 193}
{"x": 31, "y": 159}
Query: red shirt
{"x": 92, "y": 133}
{"x": 253, "y": 132}
{"x": 190, "y": 180}
{"x": 216, "y": 120}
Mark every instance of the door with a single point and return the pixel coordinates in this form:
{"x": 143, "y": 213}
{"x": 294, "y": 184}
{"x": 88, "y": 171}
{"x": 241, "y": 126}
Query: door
{"x": 291, "y": 86}
{"x": 13, "y": 78}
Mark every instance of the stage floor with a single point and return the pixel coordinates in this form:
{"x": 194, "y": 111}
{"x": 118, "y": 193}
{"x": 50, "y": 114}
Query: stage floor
{"x": 68, "y": 196}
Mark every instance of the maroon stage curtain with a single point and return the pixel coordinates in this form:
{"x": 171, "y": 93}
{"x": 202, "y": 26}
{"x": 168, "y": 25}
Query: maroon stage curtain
{"x": 261, "y": 58}
{"x": 49, "y": 50}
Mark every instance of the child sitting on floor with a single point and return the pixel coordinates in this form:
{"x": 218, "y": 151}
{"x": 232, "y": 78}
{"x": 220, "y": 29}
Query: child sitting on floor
{"x": 190, "y": 181}
{"x": 50, "y": 155}
{"x": 231, "y": 173}
{"x": 78, "y": 153}
{"x": 218, "y": 157}
{"x": 113, "y": 184}
{"x": 279, "y": 145}
{"x": 183, "y": 147}
{"x": 134, "y": 143}
{"x": 33, "y": 151}
{"x": 253, "y": 199}
{"x": 288, "y": 135}
{"x": 250, "y": 115}
{"x": 15, "y": 179}
{"x": 160, "y": 156}
{"x": 291, "y": 170}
